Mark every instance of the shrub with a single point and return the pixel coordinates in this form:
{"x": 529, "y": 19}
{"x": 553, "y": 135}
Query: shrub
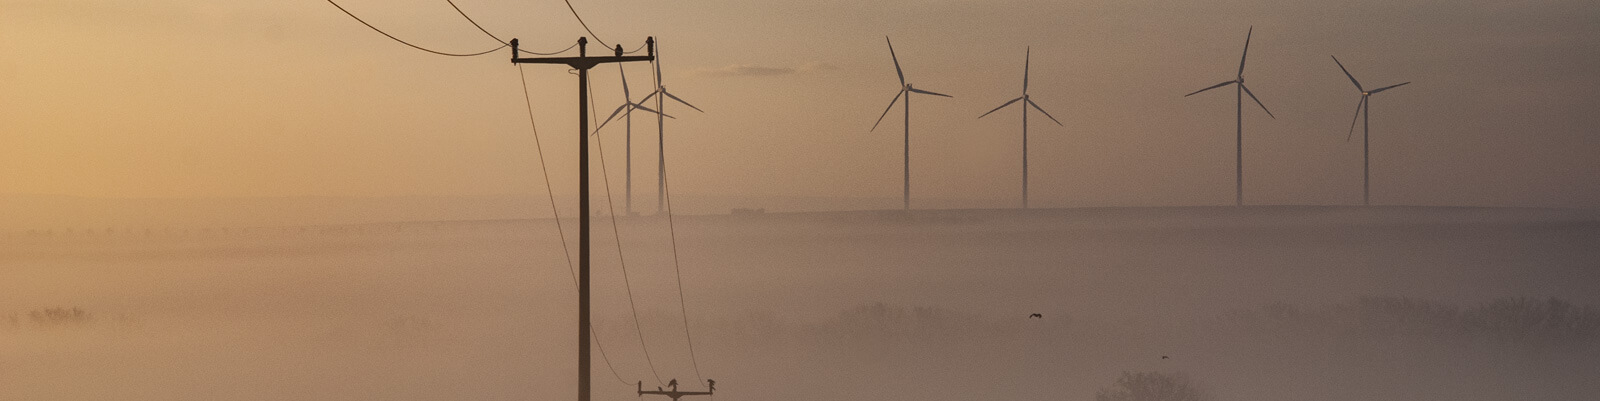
{"x": 1150, "y": 386}
{"x": 59, "y": 317}
{"x": 1525, "y": 321}
{"x": 1540, "y": 322}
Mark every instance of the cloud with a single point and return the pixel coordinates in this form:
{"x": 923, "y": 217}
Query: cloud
{"x": 754, "y": 70}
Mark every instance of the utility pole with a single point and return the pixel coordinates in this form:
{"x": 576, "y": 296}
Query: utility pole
{"x": 711, "y": 386}
{"x": 582, "y": 63}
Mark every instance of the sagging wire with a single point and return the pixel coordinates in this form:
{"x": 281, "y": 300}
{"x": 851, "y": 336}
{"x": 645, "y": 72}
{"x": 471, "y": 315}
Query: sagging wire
{"x": 374, "y": 28}
{"x": 538, "y": 145}
{"x": 611, "y": 207}
{"x": 503, "y": 42}
{"x": 672, "y": 230}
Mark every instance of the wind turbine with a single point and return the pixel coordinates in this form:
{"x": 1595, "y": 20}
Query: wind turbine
{"x": 1361, "y": 110}
{"x": 661, "y": 95}
{"x": 626, "y": 109}
{"x": 1028, "y": 102}
{"x": 905, "y": 90}
{"x": 1239, "y": 95}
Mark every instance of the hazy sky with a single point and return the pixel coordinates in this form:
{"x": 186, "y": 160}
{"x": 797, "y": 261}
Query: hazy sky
{"x": 227, "y": 98}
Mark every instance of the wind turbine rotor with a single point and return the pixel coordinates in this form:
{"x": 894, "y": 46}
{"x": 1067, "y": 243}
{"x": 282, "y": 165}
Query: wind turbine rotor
{"x": 1001, "y": 107}
{"x": 1258, "y": 101}
{"x": 1028, "y": 54}
{"x": 1211, "y": 87}
{"x": 670, "y": 96}
{"x": 625, "y": 95}
{"x": 613, "y": 115}
{"x": 886, "y": 110}
{"x": 1041, "y": 110}
{"x": 1375, "y": 91}
{"x": 1356, "y": 118}
{"x": 1347, "y": 74}
{"x": 1246, "y": 49}
{"x": 642, "y": 107}
{"x": 897, "y": 70}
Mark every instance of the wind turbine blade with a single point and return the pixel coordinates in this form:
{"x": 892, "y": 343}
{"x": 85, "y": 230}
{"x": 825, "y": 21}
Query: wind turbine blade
{"x": 657, "y": 64}
{"x": 929, "y": 93}
{"x": 670, "y": 96}
{"x": 612, "y": 116}
{"x": 641, "y": 107}
{"x": 1028, "y": 54}
{"x": 1046, "y": 113}
{"x": 1210, "y": 88}
{"x": 1001, "y": 107}
{"x": 897, "y": 71}
{"x": 1347, "y": 74}
{"x": 1258, "y": 101}
{"x": 1354, "y": 119}
{"x": 652, "y": 94}
{"x": 1375, "y": 91}
{"x": 625, "y": 95}
{"x": 1246, "y": 49}
{"x": 886, "y": 110}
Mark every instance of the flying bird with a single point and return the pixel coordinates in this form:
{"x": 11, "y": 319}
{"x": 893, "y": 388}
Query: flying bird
{"x": 1036, "y": 316}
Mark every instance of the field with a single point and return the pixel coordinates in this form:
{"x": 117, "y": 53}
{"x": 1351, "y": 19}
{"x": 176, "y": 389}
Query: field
{"x": 1257, "y": 303}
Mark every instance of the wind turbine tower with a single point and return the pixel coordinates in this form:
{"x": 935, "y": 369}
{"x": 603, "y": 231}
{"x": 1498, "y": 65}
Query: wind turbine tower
{"x": 1239, "y": 98}
{"x": 1026, "y": 102}
{"x": 661, "y": 95}
{"x": 905, "y": 90}
{"x": 626, "y": 109}
{"x": 1361, "y": 113}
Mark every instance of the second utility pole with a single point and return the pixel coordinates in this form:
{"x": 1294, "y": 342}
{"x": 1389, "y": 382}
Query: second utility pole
{"x": 583, "y": 64}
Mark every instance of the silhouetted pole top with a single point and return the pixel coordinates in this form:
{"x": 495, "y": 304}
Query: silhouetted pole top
{"x": 583, "y": 62}
{"x": 711, "y": 386}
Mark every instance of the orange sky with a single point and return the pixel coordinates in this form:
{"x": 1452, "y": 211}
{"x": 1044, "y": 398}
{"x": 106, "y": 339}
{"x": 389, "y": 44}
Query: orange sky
{"x": 181, "y": 98}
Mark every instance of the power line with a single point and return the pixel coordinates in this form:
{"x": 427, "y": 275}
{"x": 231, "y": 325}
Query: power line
{"x": 550, "y": 53}
{"x": 621, "y": 261}
{"x": 585, "y": 25}
{"x": 475, "y": 23}
{"x": 538, "y": 145}
{"x": 363, "y": 22}
{"x": 677, "y": 271}
{"x": 497, "y": 38}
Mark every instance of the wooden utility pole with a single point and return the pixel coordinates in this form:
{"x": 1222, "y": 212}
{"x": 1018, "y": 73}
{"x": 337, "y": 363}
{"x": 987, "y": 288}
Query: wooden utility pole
{"x": 582, "y": 63}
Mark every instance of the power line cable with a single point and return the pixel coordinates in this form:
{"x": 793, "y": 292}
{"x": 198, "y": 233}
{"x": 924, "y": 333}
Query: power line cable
{"x": 497, "y": 38}
{"x": 570, "y": 47}
{"x": 363, "y": 22}
{"x": 676, "y": 269}
{"x": 621, "y": 261}
{"x": 585, "y": 25}
{"x": 537, "y": 144}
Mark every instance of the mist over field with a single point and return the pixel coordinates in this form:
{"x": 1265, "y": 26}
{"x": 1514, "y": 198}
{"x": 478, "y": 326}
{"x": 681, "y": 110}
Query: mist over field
{"x": 239, "y": 200}
{"x": 1260, "y": 303}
